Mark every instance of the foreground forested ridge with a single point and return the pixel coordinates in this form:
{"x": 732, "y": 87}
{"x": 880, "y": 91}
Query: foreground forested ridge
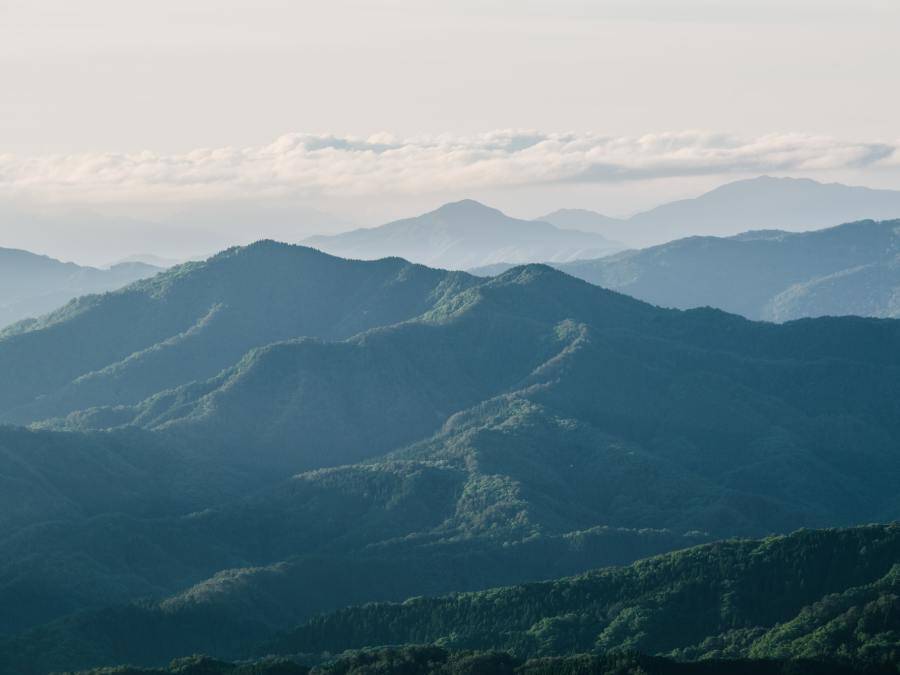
{"x": 812, "y": 602}
{"x": 475, "y": 433}
{"x": 433, "y": 660}
{"x": 814, "y": 593}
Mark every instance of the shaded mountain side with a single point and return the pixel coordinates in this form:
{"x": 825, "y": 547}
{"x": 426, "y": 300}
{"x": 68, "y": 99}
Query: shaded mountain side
{"x": 868, "y": 290}
{"x": 307, "y": 404}
{"x": 862, "y": 622}
{"x": 32, "y": 285}
{"x": 641, "y": 418}
{"x": 713, "y": 588}
{"x": 435, "y": 660}
{"x": 550, "y": 471}
{"x": 401, "y": 514}
{"x": 194, "y": 320}
{"x": 517, "y": 410}
{"x": 775, "y": 276}
{"x": 230, "y": 613}
{"x": 713, "y": 405}
{"x": 52, "y": 477}
{"x": 724, "y": 599}
{"x": 466, "y": 234}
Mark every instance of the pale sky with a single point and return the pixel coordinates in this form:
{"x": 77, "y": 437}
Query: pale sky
{"x": 367, "y": 110}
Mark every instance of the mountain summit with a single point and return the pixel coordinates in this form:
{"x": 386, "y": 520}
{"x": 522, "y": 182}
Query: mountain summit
{"x": 466, "y": 234}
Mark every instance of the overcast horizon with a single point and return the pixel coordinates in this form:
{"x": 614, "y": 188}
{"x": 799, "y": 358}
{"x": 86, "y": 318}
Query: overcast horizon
{"x": 179, "y": 127}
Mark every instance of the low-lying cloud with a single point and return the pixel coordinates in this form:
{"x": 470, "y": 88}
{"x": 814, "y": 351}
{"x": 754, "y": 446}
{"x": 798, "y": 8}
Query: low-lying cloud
{"x": 309, "y": 166}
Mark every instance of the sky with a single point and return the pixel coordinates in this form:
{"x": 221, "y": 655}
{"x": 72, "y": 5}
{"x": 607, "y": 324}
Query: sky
{"x": 176, "y": 127}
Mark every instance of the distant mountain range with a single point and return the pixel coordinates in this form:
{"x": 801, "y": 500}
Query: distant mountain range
{"x": 582, "y": 219}
{"x": 759, "y": 203}
{"x": 466, "y": 234}
{"x": 149, "y": 259}
{"x": 31, "y": 285}
{"x": 771, "y": 275}
{"x": 250, "y": 440}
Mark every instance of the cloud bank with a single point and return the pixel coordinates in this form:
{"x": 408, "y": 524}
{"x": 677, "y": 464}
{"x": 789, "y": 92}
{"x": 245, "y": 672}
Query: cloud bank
{"x": 310, "y": 166}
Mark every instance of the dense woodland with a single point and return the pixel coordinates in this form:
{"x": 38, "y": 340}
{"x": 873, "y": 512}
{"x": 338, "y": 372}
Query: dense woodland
{"x": 220, "y": 454}
{"x": 814, "y": 593}
{"x": 432, "y": 660}
{"x": 831, "y": 595}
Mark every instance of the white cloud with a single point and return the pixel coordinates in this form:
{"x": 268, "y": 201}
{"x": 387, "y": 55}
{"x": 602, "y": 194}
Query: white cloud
{"x": 308, "y": 166}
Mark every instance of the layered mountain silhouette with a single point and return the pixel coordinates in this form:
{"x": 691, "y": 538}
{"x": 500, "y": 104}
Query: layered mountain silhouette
{"x": 764, "y": 203}
{"x": 466, "y": 234}
{"x": 149, "y": 259}
{"x": 32, "y": 285}
{"x": 582, "y": 219}
{"x": 276, "y": 432}
{"x": 197, "y": 319}
{"x": 771, "y": 275}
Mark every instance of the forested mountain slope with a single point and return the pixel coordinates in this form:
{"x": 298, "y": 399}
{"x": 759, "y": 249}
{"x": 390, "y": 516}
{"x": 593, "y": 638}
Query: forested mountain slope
{"x": 708, "y": 404}
{"x": 813, "y": 593}
{"x": 770, "y": 275}
{"x": 435, "y": 660}
{"x": 776, "y": 276}
{"x": 499, "y": 431}
{"x": 32, "y": 285}
{"x": 196, "y": 319}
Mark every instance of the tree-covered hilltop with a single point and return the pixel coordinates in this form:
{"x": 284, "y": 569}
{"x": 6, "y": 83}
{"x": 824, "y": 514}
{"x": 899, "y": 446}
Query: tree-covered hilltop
{"x": 602, "y": 393}
{"x": 196, "y": 319}
{"x": 520, "y": 428}
{"x": 826, "y": 593}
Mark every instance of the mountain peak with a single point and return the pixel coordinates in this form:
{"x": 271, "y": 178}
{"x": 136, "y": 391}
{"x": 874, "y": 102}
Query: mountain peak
{"x": 766, "y": 181}
{"x": 466, "y": 234}
{"x": 528, "y": 272}
{"x": 467, "y": 208}
{"x": 267, "y": 247}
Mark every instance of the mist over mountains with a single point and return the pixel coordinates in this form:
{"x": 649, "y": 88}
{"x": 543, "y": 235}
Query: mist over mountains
{"x": 227, "y": 452}
{"x": 450, "y": 338}
{"x": 31, "y": 285}
{"x": 764, "y": 203}
{"x": 276, "y": 432}
{"x": 469, "y": 235}
{"x": 466, "y": 234}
